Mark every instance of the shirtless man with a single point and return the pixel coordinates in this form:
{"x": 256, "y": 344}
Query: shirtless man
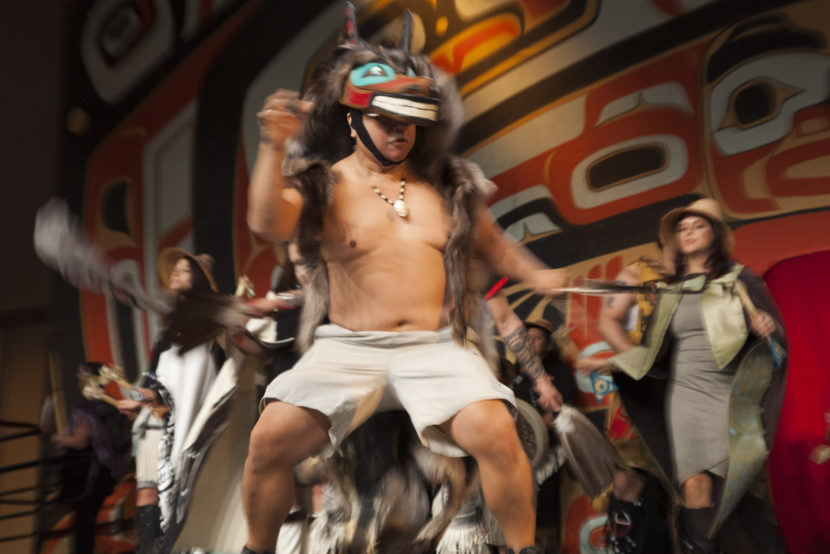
{"x": 387, "y": 299}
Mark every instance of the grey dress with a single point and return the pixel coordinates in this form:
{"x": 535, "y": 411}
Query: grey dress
{"x": 697, "y": 407}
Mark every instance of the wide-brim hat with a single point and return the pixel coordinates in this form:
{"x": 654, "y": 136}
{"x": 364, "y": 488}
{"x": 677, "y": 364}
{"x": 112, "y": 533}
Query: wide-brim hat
{"x": 542, "y": 324}
{"x": 705, "y": 207}
{"x": 169, "y": 256}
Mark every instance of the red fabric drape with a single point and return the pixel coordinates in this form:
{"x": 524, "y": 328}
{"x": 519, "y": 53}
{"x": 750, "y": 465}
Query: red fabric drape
{"x": 801, "y": 489}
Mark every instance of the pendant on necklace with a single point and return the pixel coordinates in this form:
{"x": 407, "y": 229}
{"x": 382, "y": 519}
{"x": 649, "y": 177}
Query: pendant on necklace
{"x": 401, "y": 208}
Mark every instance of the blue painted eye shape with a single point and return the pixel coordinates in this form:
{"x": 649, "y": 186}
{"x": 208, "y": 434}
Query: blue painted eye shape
{"x": 371, "y": 74}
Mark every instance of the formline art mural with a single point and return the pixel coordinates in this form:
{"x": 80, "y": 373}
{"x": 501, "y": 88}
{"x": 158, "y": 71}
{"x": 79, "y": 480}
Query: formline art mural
{"x": 593, "y": 117}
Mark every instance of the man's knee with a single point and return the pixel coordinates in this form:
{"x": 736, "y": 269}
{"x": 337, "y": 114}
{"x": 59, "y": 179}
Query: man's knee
{"x": 488, "y": 431}
{"x": 284, "y": 435}
{"x": 264, "y": 447}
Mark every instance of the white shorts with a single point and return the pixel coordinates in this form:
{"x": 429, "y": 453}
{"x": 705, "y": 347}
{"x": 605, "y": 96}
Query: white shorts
{"x": 349, "y": 375}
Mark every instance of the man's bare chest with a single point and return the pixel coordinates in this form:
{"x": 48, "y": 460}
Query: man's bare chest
{"x": 359, "y": 221}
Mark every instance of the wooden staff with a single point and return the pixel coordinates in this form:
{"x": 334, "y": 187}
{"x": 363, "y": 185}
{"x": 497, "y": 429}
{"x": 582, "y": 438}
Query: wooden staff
{"x": 58, "y": 400}
{"x": 778, "y": 351}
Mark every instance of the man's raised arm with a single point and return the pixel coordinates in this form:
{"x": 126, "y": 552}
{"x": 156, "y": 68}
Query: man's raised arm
{"x": 273, "y": 209}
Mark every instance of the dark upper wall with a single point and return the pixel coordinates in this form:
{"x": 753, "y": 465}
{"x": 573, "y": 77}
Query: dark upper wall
{"x": 30, "y": 101}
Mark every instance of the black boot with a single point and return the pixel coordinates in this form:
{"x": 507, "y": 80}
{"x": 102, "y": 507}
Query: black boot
{"x": 147, "y": 528}
{"x": 639, "y": 527}
{"x": 626, "y": 526}
{"x": 694, "y": 531}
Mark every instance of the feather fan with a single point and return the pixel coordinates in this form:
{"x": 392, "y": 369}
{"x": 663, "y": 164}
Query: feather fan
{"x": 590, "y": 455}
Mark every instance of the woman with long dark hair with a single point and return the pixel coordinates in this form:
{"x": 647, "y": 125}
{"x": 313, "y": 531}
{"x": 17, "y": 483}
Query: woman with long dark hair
{"x": 177, "y": 381}
{"x": 712, "y": 352}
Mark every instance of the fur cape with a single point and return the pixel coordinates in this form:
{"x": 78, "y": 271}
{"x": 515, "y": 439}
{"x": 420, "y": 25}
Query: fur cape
{"x": 325, "y": 139}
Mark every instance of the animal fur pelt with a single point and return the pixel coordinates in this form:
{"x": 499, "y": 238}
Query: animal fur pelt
{"x": 473, "y": 529}
{"x": 325, "y": 139}
{"x": 61, "y": 244}
{"x": 199, "y": 316}
{"x": 193, "y": 318}
{"x": 380, "y": 488}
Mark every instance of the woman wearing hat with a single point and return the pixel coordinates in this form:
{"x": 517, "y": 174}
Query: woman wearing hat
{"x": 707, "y": 349}
{"x": 177, "y": 380}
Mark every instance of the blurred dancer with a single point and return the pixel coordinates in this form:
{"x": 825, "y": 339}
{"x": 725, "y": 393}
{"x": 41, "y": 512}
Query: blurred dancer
{"x": 175, "y": 381}
{"x": 100, "y": 436}
{"x": 637, "y": 509}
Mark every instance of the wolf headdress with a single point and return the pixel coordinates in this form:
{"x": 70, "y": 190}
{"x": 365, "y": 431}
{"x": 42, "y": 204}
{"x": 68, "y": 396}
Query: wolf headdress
{"x": 358, "y": 75}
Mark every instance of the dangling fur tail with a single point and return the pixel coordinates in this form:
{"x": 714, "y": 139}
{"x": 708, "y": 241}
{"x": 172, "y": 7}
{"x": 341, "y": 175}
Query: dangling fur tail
{"x": 327, "y": 534}
{"x": 591, "y": 456}
{"x": 62, "y": 245}
{"x": 200, "y": 316}
{"x": 193, "y": 319}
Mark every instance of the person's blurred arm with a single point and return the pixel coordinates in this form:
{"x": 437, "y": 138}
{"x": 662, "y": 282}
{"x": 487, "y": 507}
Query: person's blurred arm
{"x": 139, "y": 397}
{"x": 514, "y": 334}
{"x": 77, "y": 436}
{"x": 616, "y": 309}
{"x": 513, "y": 259}
{"x": 611, "y": 325}
{"x": 273, "y": 208}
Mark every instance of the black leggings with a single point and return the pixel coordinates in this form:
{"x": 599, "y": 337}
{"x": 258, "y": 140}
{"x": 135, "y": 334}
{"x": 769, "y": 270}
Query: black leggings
{"x": 99, "y": 486}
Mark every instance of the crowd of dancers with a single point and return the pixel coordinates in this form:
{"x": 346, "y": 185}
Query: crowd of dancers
{"x": 389, "y": 234}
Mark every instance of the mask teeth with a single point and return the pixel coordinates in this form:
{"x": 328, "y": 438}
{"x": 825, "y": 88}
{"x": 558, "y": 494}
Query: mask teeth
{"x": 421, "y": 111}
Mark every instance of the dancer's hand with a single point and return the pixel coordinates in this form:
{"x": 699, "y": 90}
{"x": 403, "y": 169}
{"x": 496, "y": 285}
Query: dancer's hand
{"x": 261, "y": 307}
{"x": 268, "y": 306}
{"x": 127, "y": 406}
{"x": 763, "y": 324}
{"x": 550, "y": 280}
{"x": 820, "y": 454}
{"x": 550, "y": 398}
{"x": 282, "y": 117}
{"x": 586, "y": 366}
{"x": 139, "y": 397}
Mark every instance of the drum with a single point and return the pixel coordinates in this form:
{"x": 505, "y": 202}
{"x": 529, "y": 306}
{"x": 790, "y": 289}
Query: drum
{"x": 533, "y": 433}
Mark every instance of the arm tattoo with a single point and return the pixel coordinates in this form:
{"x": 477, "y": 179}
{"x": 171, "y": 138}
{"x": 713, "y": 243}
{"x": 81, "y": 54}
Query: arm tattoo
{"x": 529, "y": 363}
{"x": 611, "y": 298}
